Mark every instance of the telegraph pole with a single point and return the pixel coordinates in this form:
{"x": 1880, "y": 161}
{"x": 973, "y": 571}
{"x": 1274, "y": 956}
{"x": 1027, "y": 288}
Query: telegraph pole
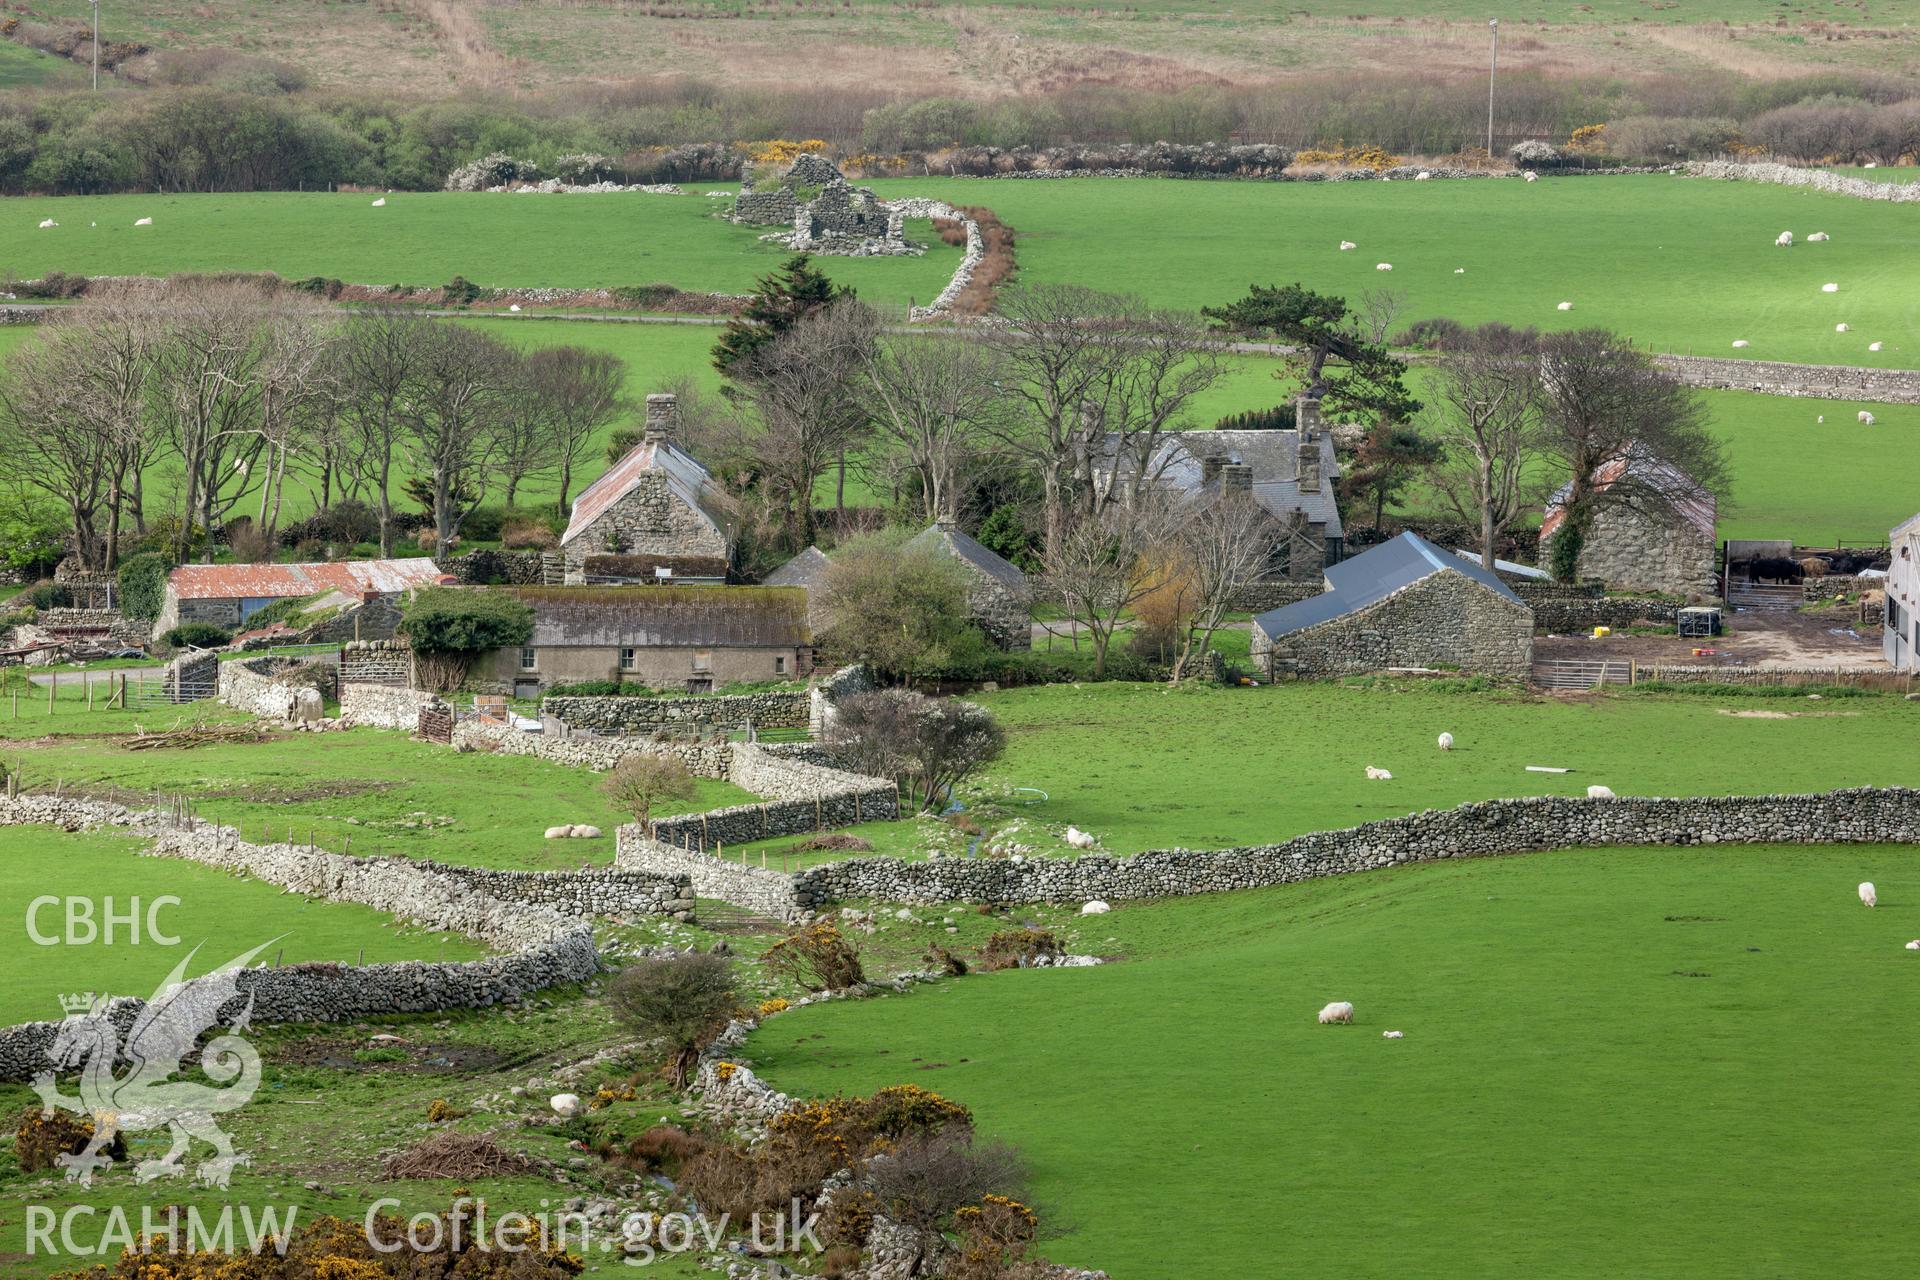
{"x": 96, "y": 46}
{"x": 1492, "y": 60}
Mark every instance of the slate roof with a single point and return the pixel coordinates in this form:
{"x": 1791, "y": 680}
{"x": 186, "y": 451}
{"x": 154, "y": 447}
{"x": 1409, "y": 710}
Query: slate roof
{"x": 1689, "y": 501}
{"x": 284, "y": 581}
{"x": 808, "y": 569}
{"x": 667, "y": 617}
{"x": 1373, "y": 575}
{"x": 686, "y": 479}
{"x": 1274, "y": 456}
{"x": 1515, "y": 568}
{"x": 948, "y": 540}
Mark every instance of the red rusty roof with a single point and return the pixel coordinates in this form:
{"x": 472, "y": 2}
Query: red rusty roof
{"x": 686, "y": 478}
{"x": 283, "y": 581}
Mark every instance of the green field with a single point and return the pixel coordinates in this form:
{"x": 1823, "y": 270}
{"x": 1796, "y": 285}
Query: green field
{"x": 406, "y": 797}
{"x": 1147, "y": 767}
{"x": 1658, "y": 1063}
{"x": 224, "y": 915}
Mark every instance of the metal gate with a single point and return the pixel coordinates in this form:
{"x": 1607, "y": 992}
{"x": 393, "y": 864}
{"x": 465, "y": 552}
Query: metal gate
{"x": 1576, "y": 673}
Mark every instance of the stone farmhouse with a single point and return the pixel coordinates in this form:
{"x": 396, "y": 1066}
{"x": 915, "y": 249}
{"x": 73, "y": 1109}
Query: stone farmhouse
{"x": 1900, "y": 634}
{"x": 696, "y": 638}
{"x": 655, "y": 516}
{"x": 1291, "y": 473}
{"x": 999, "y": 598}
{"x": 1656, "y": 534}
{"x": 226, "y": 595}
{"x": 1404, "y": 603}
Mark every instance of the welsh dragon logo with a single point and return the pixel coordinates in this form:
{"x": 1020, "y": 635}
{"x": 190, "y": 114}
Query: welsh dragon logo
{"x": 145, "y": 1096}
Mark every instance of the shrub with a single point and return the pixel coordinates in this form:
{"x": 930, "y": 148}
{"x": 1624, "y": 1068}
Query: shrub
{"x": 583, "y": 168}
{"x": 32, "y": 539}
{"x": 903, "y": 612}
{"x": 46, "y": 595}
{"x": 1018, "y": 949}
{"x": 197, "y": 635}
{"x": 1533, "y": 153}
{"x": 817, "y": 958}
{"x": 922, "y": 1179}
{"x": 39, "y": 1139}
{"x": 526, "y": 535}
{"x": 602, "y": 689}
{"x": 460, "y": 292}
{"x": 927, "y": 745}
{"x": 684, "y": 1000}
{"x": 483, "y": 524}
{"x": 449, "y": 628}
{"x": 662, "y": 1149}
{"x": 637, "y": 783}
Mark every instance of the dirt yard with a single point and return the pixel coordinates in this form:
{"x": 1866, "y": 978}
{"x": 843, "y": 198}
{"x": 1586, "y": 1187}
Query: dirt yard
{"x": 1822, "y": 639}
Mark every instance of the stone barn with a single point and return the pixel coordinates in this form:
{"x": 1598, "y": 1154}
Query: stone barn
{"x": 1404, "y": 603}
{"x": 808, "y": 571}
{"x": 226, "y": 595}
{"x": 655, "y": 516}
{"x": 1653, "y": 532}
{"x": 999, "y": 598}
{"x": 690, "y": 638}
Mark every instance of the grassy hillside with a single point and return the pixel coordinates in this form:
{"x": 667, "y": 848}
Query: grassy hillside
{"x": 1608, "y": 1069}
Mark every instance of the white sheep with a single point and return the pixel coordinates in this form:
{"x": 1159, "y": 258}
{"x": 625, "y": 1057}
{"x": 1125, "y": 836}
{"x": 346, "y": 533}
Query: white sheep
{"x": 1597, "y": 792}
{"x": 584, "y": 831}
{"x": 1873, "y": 346}
{"x": 1871, "y": 164}
{"x": 565, "y": 1105}
{"x": 1817, "y": 236}
{"x": 1392, "y": 1035}
{"x": 1379, "y": 775}
{"x": 1914, "y": 945}
{"x": 1866, "y": 419}
{"x": 1821, "y": 420}
{"x": 1459, "y": 271}
{"x": 143, "y": 222}
{"x": 1566, "y": 306}
{"x": 513, "y": 306}
{"x": 381, "y": 203}
{"x": 1531, "y": 176}
{"x": 1338, "y": 1011}
{"x": 1446, "y": 742}
{"x": 1829, "y": 287}
{"x": 1740, "y": 344}
{"x": 1095, "y": 908}
{"x": 1421, "y": 176}
{"x": 1383, "y": 266}
{"x": 1346, "y": 245}
{"x": 1842, "y": 328}
{"x": 47, "y": 222}
{"x": 1784, "y": 240}
{"x": 1867, "y": 895}
{"x": 1079, "y": 839}
{"x": 559, "y": 833}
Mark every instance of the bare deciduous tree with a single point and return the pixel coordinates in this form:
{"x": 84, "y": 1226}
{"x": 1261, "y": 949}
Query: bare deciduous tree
{"x": 1098, "y": 571}
{"x": 1223, "y": 544}
{"x": 1485, "y": 410}
{"x": 376, "y": 354}
{"x": 47, "y": 438}
{"x": 1162, "y": 362}
{"x": 935, "y": 399}
{"x": 580, "y": 390}
{"x": 453, "y": 411}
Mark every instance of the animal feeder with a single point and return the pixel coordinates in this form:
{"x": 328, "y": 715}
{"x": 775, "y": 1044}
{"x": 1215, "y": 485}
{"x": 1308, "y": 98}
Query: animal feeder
{"x": 1699, "y": 622}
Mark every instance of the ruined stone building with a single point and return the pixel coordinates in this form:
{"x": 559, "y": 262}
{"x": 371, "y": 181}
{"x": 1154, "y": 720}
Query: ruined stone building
{"x": 1404, "y": 603}
{"x": 827, "y": 213}
{"x": 1653, "y": 532}
{"x": 693, "y": 638}
{"x": 656, "y": 516}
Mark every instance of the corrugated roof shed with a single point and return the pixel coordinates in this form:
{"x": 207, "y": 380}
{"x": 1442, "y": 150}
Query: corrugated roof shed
{"x": 948, "y": 540}
{"x": 686, "y": 478}
{"x": 808, "y": 569}
{"x": 1374, "y": 575}
{"x": 1689, "y": 501}
{"x": 286, "y": 581}
{"x": 667, "y": 617}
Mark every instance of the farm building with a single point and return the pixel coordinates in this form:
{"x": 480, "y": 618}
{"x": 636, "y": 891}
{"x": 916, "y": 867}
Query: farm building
{"x": 1900, "y": 635}
{"x": 226, "y": 595}
{"x": 808, "y": 571}
{"x": 998, "y": 596}
{"x": 1404, "y": 603}
{"x": 1653, "y": 532}
{"x": 1291, "y": 473}
{"x": 681, "y": 637}
{"x": 655, "y": 516}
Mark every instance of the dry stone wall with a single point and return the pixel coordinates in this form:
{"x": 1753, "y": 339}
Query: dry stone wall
{"x": 1787, "y": 175}
{"x": 269, "y": 688}
{"x": 1824, "y": 382}
{"x": 1565, "y": 616}
{"x": 764, "y": 892}
{"x": 380, "y": 706}
{"x": 376, "y": 662}
{"x": 616, "y": 715}
{"x": 703, "y": 759}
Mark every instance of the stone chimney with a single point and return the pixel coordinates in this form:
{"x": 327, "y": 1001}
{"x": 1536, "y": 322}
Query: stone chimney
{"x": 1236, "y": 480}
{"x": 663, "y": 414}
{"x": 1210, "y": 468}
{"x": 1307, "y": 423}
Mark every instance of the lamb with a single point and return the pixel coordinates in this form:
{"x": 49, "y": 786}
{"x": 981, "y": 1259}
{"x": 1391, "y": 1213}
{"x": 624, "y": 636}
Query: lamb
{"x": 1817, "y": 236}
{"x": 381, "y": 203}
{"x": 1867, "y": 895}
{"x": 1346, "y": 245}
{"x": 1531, "y": 176}
{"x": 1841, "y": 328}
{"x": 1784, "y": 240}
{"x": 1739, "y": 344}
{"x": 1338, "y": 1011}
{"x": 1421, "y": 176}
{"x": 1829, "y": 287}
{"x": 1821, "y": 420}
{"x": 1914, "y": 945}
{"x": 1566, "y": 306}
{"x": 47, "y": 222}
{"x": 513, "y": 306}
{"x": 1379, "y": 775}
{"x": 1392, "y": 1035}
{"x": 1600, "y": 793}
{"x": 1079, "y": 839}
{"x": 1459, "y": 271}
{"x": 1873, "y": 346}
{"x": 1446, "y": 742}
{"x": 143, "y": 222}
{"x": 1383, "y": 266}
{"x": 1866, "y": 419}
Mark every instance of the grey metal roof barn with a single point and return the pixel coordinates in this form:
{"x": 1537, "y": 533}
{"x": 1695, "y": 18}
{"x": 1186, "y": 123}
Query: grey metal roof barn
{"x": 1373, "y": 575}
{"x": 808, "y": 569}
{"x": 666, "y": 617}
{"x": 947, "y": 539}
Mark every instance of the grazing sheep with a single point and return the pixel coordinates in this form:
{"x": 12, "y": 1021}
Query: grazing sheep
{"x": 381, "y": 203}
{"x": 1914, "y": 945}
{"x": 1446, "y": 742}
{"x": 513, "y": 306}
{"x": 1095, "y": 908}
{"x": 1459, "y": 271}
{"x": 1784, "y": 239}
{"x": 1600, "y": 793}
{"x": 1841, "y": 328}
{"x": 1818, "y": 235}
{"x": 559, "y": 833}
{"x": 1873, "y": 346}
{"x": 584, "y": 831}
{"x": 1867, "y": 895}
{"x": 1079, "y": 839}
{"x": 1338, "y": 1011}
{"x": 1383, "y": 266}
{"x": 143, "y": 222}
{"x": 1346, "y": 245}
{"x": 566, "y": 1105}
{"x": 1866, "y": 419}
{"x": 1566, "y": 306}
{"x": 1829, "y": 287}
{"x": 1739, "y": 343}
{"x": 1379, "y": 775}
{"x": 1421, "y": 176}
{"x": 1393, "y": 1035}
{"x": 1871, "y": 164}
{"x": 47, "y": 222}
{"x": 1821, "y": 420}
{"x": 1531, "y": 176}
